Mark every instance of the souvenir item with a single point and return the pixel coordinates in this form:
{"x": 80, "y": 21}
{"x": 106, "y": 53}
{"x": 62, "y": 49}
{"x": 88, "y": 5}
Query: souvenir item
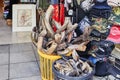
{"x": 102, "y": 68}
{"x": 58, "y": 14}
{"x": 115, "y": 16}
{"x": 54, "y": 2}
{"x": 100, "y": 24}
{"x": 86, "y": 5}
{"x": 102, "y": 48}
{"x": 114, "y": 2}
{"x": 78, "y": 12}
{"x": 114, "y": 34}
{"x": 73, "y": 67}
{"x": 100, "y": 9}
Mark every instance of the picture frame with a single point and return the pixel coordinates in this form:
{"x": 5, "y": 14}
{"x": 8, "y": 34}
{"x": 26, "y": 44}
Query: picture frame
{"x": 24, "y": 17}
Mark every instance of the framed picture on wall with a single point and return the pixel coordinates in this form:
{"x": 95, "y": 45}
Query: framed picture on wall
{"x": 24, "y": 17}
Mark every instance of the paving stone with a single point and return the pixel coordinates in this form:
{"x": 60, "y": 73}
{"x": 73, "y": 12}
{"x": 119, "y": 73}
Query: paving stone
{"x": 26, "y": 46}
{"x": 34, "y": 48}
{"x": 37, "y": 56}
{"x": 38, "y": 63}
{"x": 21, "y": 47}
{"x": 3, "y": 59}
{"x": 36, "y": 52}
{"x": 29, "y": 78}
{"x": 14, "y": 48}
{"x": 24, "y": 70}
{"x": 24, "y": 39}
{"x": 4, "y": 72}
{"x": 26, "y": 56}
{"x": 4, "y": 48}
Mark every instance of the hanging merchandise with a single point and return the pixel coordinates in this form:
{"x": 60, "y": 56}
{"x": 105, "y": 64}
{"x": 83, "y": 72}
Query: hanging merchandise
{"x": 55, "y": 14}
{"x": 75, "y": 11}
{"x": 68, "y": 8}
{"x": 115, "y": 16}
{"x": 54, "y": 2}
{"x": 95, "y": 33}
{"x": 114, "y": 34}
{"x": 86, "y": 5}
{"x": 114, "y": 3}
{"x": 78, "y": 12}
{"x": 116, "y": 11}
{"x": 100, "y": 9}
{"x": 62, "y": 14}
{"x": 101, "y": 26}
{"x": 67, "y": 4}
{"x": 115, "y": 19}
{"x": 58, "y": 13}
{"x": 82, "y": 25}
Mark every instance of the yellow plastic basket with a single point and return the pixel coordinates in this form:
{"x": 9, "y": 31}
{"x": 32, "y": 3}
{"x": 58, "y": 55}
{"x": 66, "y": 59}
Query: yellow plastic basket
{"x": 46, "y": 65}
